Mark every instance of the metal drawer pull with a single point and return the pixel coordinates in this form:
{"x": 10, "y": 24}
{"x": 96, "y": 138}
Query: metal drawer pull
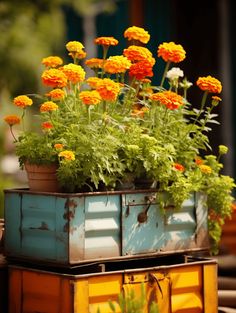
{"x": 142, "y": 216}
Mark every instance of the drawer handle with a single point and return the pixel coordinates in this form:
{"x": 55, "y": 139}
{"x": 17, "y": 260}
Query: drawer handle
{"x": 142, "y": 216}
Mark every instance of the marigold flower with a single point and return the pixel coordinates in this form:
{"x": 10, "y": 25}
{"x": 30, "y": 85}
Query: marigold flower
{"x": 90, "y": 97}
{"x": 141, "y": 69}
{"x": 106, "y": 41}
{"x": 117, "y": 64}
{"x": 46, "y": 125}
{"x": 137, "y": 53}
{"x": 12, "y": 119}
{"x": 223, "y": 149}
{"x": 209, "y": 84}
{"x": 48, "y": 106}
{"x": 178, "y": 167}
{"x": 215, "y": 100}
{"x": 74, "y": 46}
{"x": 52, "y": 61}
{"x": 58, "y": 146}
{"x": 198, "y": 161}
{"x": 78, "y": 55}
{"x": 56, "y": 94}
{"x": 93, "y": 82}
{"x": 233, "y": 206}
{"x": 54, "y": 78}
{"x": 67, "y": 155}
{"x": 168, "y": 98}
{"x": 74, "y": 73}
{"x": 94, "y": 63}
{"x": 137, "y": 33}
{"x": 22, "y": 101}
{"x": 108, "y": 89}
{"x": 139, "y": 112}
{"x": 205, "y": 169}
{"x": 171, "y": 52}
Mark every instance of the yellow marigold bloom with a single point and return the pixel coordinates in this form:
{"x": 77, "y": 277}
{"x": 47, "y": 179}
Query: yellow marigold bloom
{"x": 48, "y": 106}
{"x": 90, "y": 97}
{"x": 12, "y": 119}
{"x": 205, "y": 169}
{"x": 171, "y": 52}
{"x": 137, "y": 33}
{"x": 52, "y": 61}
{"x": 22, "y": 101}
{"x": 54, "y": 78}
{"x": 137, "y": 53}
{"x": 93, "y": 82}
{"x": 94, "y": 63}
{"x": 56, "y": 94}
{"x": 78, "y": 55}
{"x": 168, "y": 98}
{"x": 209, "y": 84}
{"x": 74, "y": 73}
{"x": 74, "y": 46}
{"x": 117, "y": 64}
{"x": 106, "y": 41}
{"x": 108, "y": 89}
{"x": 67, "y": 155}
{"x": 58, "y": 146}
{"x": 223, "y": 149}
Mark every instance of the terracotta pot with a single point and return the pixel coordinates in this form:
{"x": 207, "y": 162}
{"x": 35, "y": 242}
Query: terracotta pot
{"x": 42, "y": 177}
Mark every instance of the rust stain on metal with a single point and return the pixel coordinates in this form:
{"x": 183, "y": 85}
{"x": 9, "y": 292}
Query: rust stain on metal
{"x": 70, "y": 204}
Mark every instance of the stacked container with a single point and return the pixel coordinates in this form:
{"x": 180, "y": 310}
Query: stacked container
{"x": 75, "y": 252}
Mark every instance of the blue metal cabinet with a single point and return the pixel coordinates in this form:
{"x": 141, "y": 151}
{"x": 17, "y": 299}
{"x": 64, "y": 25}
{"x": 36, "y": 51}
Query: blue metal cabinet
{"x": 68, "y": 229}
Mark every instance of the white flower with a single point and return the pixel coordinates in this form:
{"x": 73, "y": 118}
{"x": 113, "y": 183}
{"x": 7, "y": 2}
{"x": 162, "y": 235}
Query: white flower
{"x": 174, "y": 73}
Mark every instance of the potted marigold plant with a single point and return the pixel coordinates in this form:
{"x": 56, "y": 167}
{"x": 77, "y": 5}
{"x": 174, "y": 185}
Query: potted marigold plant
{"x": 102, "y": 129}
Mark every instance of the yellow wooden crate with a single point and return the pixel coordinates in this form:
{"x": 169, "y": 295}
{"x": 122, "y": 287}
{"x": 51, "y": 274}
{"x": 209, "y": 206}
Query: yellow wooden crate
{"x": 178, "y": 284}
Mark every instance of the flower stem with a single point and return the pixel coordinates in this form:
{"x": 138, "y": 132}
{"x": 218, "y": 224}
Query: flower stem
{"x": 13, "y": 133}
{"x": 164, "y": 74}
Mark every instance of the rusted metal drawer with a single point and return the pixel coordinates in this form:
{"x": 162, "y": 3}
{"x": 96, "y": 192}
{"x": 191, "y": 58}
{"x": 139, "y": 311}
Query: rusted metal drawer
{"x": 177, "y": 285}
{"x": 66, "y": 229}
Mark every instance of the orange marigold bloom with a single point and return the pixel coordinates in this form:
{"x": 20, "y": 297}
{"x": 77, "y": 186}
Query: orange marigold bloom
{"x": 108, "y": 89}
{"x": 137, "y": 53}
{"x": 141, "y": 69}
{"x": 75, "y": 73}
{"x": 48, "y": 106}
{"x": 171, "y": 52}
{"x": 198, "y": 161}
{"x": 54, "y": 78}
{"x": 46, "y": 125}
{"x": 93, "y": 82}
{"x": 178, "y": 167}
{"x": 90, "y": 97}
{"x": 209, "y": 84}
{"x": 139, "y": 112}
{"x": 205, "y": 169}
{"x": 137, "y": 33}
{"x": 67, "y": 155}
{"x": 168, "y": 98}
{"x": 58, "y": 146}
{"x": 22, "y": 101}
{"x": 12, "y": 120}
{"x": 117, "y": 64}
{"x": 52, "y": 61}
{"x": 106, "y": 41}
{"x": 233, "y": 206}
{"x": 94, "y": 63}
{"x": 56, "y": 94}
